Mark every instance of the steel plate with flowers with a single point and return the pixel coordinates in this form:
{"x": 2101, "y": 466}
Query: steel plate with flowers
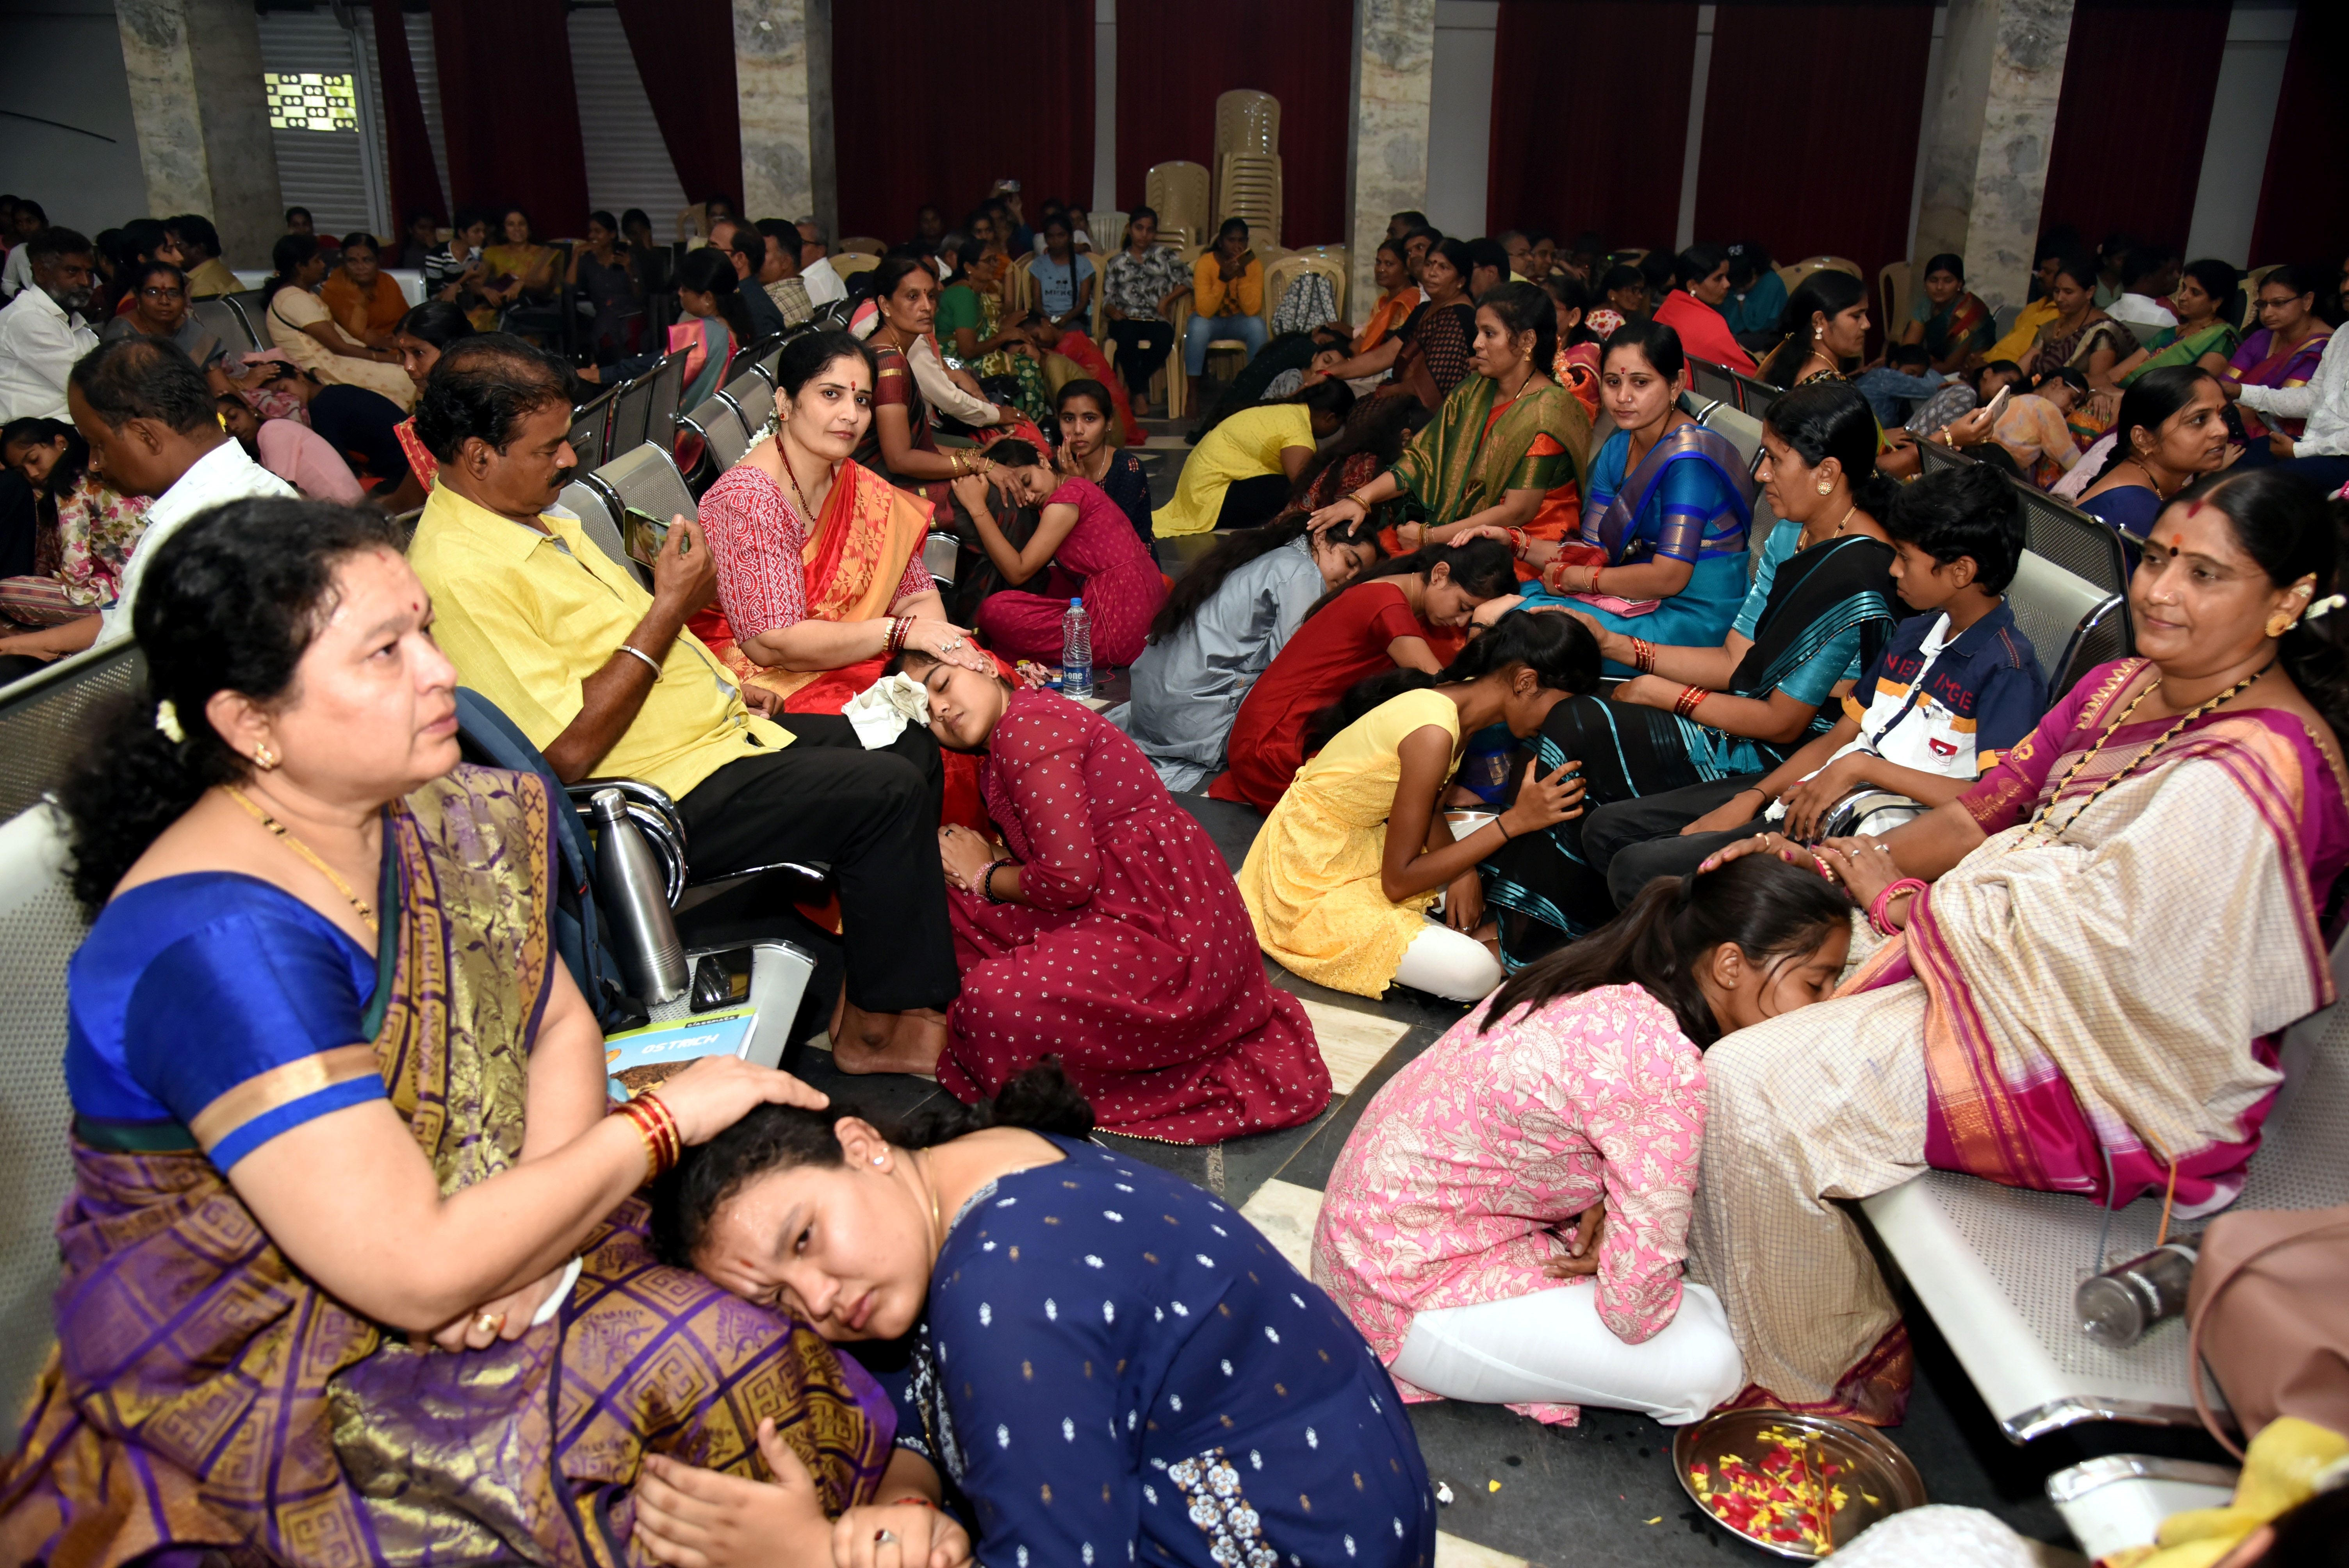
{"x": 1799, "y": 1486}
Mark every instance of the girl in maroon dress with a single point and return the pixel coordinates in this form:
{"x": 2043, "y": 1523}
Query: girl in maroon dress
{"x": 1104, "y": 930}
{"x": 1411, "y": 613}
{"x": 1094, "y": 551}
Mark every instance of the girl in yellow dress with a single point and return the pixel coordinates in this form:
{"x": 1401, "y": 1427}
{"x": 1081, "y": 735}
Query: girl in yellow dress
{"x": 1339, "y": 898}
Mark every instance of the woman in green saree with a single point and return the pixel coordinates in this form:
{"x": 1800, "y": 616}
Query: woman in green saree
{"x": 2203, "y": 337}
{"x": 972, "y": 331}
{"x": 1505, "y": 450}
{"x": 354, "y": 1272}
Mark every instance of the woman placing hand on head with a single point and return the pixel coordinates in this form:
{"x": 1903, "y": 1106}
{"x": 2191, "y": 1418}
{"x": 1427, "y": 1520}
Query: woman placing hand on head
{"x": 2191, "y": 798}
{"x": 1087, "y": 1388}
{"x": 1411, "y": 613}
{"x": 1087, "y": 451}
{"x": 1819, "y": 610}
{"x": 336, "y": 1096}
{"x": 1506, "y": 450}
{"x": 1103, "y": 929}
{"x": 1507, "y": 1221}
{"x": 1352, "y": 856}
{"x": 1666, "y": 514}
{"x": 1080, "y": 531}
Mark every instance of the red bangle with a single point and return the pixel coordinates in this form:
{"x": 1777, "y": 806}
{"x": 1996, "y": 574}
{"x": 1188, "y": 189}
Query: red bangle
{"x": 914, "y": 1500}
{"x": 1686, "y": 705}
{"x": 1878, "y": 906}
{"x": 1643, "y": 655}
{"x": 1518, "y": 542}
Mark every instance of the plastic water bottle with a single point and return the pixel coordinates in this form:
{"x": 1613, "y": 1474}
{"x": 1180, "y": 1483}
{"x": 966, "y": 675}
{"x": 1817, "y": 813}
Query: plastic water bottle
{"x": 1076, "y": 652}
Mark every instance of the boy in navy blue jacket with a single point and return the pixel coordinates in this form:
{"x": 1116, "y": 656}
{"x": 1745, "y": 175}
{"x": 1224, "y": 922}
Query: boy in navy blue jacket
{"x": 1956, "y": 685}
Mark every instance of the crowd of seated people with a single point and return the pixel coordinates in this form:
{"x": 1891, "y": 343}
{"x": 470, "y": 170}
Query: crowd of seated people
{"x": 1541, "y": 721}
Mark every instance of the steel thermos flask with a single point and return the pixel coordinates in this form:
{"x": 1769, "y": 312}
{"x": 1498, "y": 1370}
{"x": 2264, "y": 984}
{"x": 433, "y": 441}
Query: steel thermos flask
{"x": 635, "y": 899}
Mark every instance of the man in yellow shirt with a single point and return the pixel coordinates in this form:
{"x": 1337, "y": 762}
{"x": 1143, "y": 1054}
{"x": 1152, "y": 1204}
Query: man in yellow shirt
{"x": 606, "y": 681}
{"x": 208, "y": 276}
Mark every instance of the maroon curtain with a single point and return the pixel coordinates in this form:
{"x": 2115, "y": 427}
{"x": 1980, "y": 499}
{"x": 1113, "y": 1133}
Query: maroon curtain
{"x": 684, "y": 51}
{"x": 415, "y": 182}
{"x": 509, "y": 110}
{"x": 1560, "y": 169}
{"x": 1176, "y": 57}
{"x": 1811, "y": 116}
{"x": 2304, "y": 200}
{"x": 2138, "y": 81}
{"x": 935, "y": 102}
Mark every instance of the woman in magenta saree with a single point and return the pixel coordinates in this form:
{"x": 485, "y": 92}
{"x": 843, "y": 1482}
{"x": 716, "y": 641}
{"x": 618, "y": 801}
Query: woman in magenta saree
{"x": 281, "y": 1084}
{"x": 2123, "y": 915}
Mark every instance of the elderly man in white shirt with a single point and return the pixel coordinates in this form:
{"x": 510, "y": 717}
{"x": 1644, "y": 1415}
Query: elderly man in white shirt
{"x": 153, "y": 429}
{"x": 823, "y": 286}
{"x": 2321, "y": 451}
{"x": 42, "y": 332}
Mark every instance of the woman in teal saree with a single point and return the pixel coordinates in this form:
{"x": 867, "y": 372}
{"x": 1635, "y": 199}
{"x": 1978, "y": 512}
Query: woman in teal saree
{"x": 354, "y": 1272}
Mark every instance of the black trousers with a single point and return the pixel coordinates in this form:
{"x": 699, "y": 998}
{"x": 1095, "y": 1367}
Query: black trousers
{"x": 1253, "y": 502}
{"x": 873, "y": 816}
{"x": 1141, "y": 347}
{"x": 1632, "y": 842}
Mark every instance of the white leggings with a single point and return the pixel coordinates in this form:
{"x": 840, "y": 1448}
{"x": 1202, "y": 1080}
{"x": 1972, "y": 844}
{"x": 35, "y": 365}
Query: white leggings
{"x": 1448, "y": 962}
{"x": 1550, "y": 1348}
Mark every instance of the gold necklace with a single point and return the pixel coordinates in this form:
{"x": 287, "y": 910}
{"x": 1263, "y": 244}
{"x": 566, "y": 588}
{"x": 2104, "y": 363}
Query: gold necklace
{"x": 367, "y": 915}
{"x": 2040, "y": 818}
{"x": 792, "y": 474}
{"x": 938, "y": 1221}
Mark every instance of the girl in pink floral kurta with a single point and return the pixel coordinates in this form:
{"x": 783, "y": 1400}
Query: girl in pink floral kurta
{"x": 1444, "y": 1229}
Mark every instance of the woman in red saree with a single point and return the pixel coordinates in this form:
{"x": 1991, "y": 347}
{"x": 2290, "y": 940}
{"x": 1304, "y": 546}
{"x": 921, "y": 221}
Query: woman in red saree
{"x": 2123, "y": 915}
{"x": 1105, "y": 930}
{"x": 819, "y": 573}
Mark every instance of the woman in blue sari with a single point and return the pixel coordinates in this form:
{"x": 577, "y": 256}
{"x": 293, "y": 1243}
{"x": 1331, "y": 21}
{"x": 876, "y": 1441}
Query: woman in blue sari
{"x": 1662, "y": 551}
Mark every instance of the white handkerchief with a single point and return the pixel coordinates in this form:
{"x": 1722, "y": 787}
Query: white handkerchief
{"x": 879, "y": 713}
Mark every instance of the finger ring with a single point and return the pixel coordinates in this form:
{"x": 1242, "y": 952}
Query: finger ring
{"x": 490, "y": 1322}
{"x": 885, "y": 1538}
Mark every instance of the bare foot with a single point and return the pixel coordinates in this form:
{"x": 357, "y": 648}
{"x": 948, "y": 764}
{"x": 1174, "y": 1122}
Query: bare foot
{"x": 906, "y": 1042}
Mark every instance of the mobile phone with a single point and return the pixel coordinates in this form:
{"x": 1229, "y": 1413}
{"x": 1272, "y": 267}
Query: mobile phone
{"x": 642, "y": 535}
{"x": 1999, "y": 401}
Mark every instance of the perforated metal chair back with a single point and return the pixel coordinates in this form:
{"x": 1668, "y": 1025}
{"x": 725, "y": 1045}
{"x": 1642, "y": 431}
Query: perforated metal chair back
{"x": 591, "y": 426}
{"x": 1741, "y": 430}
{"x": 630, "y": 411}
{"x": 753, "y": 397}
{"x": 2050, "y": 604}
{"x": 1715, "y": 383}
{"x": 219, "y": 318}
{"x": 45, "y": 717}
{"x": 40, "y": 926}
{"x": 1936, "y": 458}
{"x": 668, "y": 380}
{"x": 1757, "y": 394}
{"x": 2083, "y": 545}
{"x": 719, "y": 425}
{"x": 598, "y": 519}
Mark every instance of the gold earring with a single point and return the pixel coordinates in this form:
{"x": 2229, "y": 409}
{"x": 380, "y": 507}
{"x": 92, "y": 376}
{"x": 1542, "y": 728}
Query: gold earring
{"x": 263, "y": 757}
{"x": 2279, "y": 624}
{"x": 1826, "y": 488}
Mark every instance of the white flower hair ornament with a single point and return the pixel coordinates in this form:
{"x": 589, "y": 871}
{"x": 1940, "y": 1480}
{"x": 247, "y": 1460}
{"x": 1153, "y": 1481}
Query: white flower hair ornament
{"x": 167, "y": 720}
{"x": 2325, "y": 607}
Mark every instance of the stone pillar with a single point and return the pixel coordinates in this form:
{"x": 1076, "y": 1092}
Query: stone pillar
{"x": 1988, "y": 143}
{"x": 194, "y": 71}
{"x": 1386, "y": 159}
{"x": 782, "y": 79}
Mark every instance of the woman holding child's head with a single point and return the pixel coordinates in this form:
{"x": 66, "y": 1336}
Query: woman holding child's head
{"x": 1819, "y": 609}
{"x": 1410, "y": 612}
{"x": 2171, "y": 429}
{"x": 309, "y": 914}
{"x": 1505, "y": 451}
{"x": 1826, "y": 330}
{"x": 1354, "y": 852}
{"x": 1564, "y": 1116}
{"x": 2149, "y": 773}
{"x": 1104, "y": 916}
{"x": 817, "y": 627}
{"x": 1665, "y": 513}
{"x": 998, "y": 1243}
{"x": 1088, "y": 450}
{"x": 1081, "y": 529}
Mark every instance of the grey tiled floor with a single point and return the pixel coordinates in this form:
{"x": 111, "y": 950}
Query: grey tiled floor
{"x": 1601, "y": 1493}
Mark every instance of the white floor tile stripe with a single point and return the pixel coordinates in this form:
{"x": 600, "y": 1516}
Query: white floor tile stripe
{"x": 1351, "y": 1043}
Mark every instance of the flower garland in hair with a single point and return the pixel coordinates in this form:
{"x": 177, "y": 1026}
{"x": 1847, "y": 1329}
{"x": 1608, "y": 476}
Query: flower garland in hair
{"x": 2325, "y": 607}
{"x": 167, "y": 720}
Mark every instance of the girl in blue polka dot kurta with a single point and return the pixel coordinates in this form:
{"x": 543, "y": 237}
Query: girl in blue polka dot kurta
{"x": 1108, "y": 1365}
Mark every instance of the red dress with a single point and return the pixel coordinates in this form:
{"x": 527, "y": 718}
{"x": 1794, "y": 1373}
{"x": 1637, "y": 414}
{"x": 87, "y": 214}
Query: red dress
{"x": 1133, "y": 960}
{"x": 1345, "y": 643}
{"x": 1704, "y": 331}
{"x": 1121, "y": 588}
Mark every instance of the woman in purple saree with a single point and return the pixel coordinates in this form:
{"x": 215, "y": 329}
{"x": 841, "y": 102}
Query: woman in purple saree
{"x": 2123, "y": 915}
{"x": 354, "y": 1272}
